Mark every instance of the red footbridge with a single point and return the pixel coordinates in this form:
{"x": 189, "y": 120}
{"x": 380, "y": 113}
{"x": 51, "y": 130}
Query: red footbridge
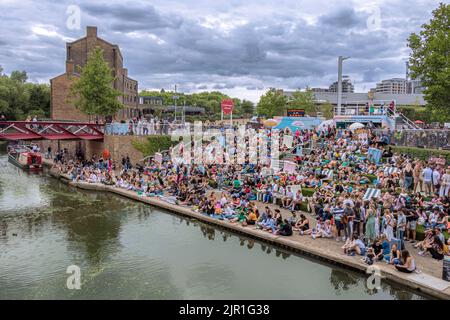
{"x": 50, "y": 130}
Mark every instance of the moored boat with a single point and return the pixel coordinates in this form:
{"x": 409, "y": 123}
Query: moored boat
{"x": 24, "y": 158}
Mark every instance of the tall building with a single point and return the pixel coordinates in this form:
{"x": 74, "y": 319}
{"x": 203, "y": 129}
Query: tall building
{"x": 414, "y": 86}
{"x": 76, "y": 56}
{"x": 392, "y": 86}
{"x": 347, "y": 86}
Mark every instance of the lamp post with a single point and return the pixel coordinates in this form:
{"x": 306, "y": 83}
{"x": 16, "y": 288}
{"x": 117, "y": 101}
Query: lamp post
{"x": 339, "y": 93}
{"x": 175, "y": 98}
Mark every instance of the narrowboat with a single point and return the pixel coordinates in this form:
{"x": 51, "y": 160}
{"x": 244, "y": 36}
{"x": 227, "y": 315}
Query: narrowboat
{"x": 24, "y": 158}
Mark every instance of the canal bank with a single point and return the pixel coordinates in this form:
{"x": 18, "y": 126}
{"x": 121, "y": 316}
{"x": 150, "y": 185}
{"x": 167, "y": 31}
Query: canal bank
{"x": 327, "y": 250}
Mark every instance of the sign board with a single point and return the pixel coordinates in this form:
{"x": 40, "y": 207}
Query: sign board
{"x": 289, "y": 167}
{"x": 287, "y": 141}
{"x": 227, "y": 106}
{"x": 446, "y": 268}
{"x": 158, "y": 157}
{"x": 374, "y": 155}
{"x": 296, "y": 113}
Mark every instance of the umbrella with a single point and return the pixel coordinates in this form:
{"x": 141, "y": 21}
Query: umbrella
{"x": 270, "y": 123}
{"x": 298, "y": 124}
{"x": 324, "y": 125}
{"x": 418, "y": 122}
{"x": 106, "y": 154}
{"x": 355, "y": 126}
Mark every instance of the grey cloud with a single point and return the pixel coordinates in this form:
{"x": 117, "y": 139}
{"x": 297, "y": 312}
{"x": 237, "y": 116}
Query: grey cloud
{"x": 276, "y": 46}
{"x": 343, "y": 18}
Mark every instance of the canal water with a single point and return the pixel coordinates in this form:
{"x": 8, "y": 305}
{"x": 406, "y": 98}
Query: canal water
{"x": 128, "y": 250}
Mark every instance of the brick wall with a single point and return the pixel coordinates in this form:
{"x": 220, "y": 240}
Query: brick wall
{"x": 120, "y": 146}
{"x": 77, "y": 53}
{"x": 60, "y": 106}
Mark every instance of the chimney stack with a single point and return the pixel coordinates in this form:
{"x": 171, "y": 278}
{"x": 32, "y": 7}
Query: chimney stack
{"x": 70, "y": 68}
{"x": 91, "y": 32}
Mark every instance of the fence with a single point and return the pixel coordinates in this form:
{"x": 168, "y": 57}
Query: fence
{"x": 144, "y": 129}
{"x": 430, "y": 139}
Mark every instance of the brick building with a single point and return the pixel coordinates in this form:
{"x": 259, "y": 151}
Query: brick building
{"x": 76, "y": 55}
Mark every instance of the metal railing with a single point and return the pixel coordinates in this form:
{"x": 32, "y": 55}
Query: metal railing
{"x": 144, "y": 129}
{"x": 424, "y": 138}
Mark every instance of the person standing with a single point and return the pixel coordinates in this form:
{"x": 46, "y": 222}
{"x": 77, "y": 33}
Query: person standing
{"x": 370, "y": 234}
{"x": 408, "y": 174}
{"x": 436, "y": 178}
{"x": 445, "y": 184}
{"x": 49, "y": 152}
{"x": 427, "y": 176}
{"x": 417, "y": 175}
{"x": 401, "y": 227}
{"x": 389, "y": 225}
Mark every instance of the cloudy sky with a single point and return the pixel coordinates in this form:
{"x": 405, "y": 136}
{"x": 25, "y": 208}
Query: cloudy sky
{"x": 240, "y": 47}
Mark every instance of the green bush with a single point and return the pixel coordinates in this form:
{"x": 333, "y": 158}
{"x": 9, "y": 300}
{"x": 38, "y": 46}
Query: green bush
{"x": 304, "y": 207}
{"x": 371, "y": 177}
{"x": 308, "y": 192}
{"x": 421, "y": 153}
{"x": 420, "y": 233}
{"x": 153, "y": 144}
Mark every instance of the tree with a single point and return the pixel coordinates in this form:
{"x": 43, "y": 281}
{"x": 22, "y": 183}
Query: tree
{"x": 272, "y": 103}
{"x": 303, "y": 100}
{"x": 93, "y": 91}
{"x": 19, "y": 99}
{"x": 247, "y": 108}
{"x": 430, "y": 61}
{"x": 327, "y": 110}
{"x": 20, "y": 76}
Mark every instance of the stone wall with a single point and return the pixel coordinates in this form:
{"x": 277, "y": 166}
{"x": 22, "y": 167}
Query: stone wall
{"x": 118, "y": 146}
{"x": 121, "y": 146}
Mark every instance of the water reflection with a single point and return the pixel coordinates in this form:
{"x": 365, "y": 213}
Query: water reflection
{"x": 130, "y": 250}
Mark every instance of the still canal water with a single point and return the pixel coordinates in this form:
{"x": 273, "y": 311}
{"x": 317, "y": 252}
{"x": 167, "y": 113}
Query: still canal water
{"x": 128, "y": 250}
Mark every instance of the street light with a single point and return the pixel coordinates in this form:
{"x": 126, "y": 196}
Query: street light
{"x": 175, "y": 98}
{"x": 339, "y": 97}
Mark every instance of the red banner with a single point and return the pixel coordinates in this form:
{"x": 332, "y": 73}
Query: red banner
{"x": 227, "y": 106}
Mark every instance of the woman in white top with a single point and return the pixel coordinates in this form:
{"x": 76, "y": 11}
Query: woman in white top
{"x": 408, "y": 264}
{"x": 445, "y": 184}
{"x": 389, "y": 230}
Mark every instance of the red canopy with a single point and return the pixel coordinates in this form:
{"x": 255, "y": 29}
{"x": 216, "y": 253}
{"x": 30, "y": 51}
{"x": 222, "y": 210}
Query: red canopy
{"x": 418, "y": 122}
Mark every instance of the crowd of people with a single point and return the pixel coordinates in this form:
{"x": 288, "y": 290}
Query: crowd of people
{"x": 142, "y": 126}
{"x": 373, "y": 209}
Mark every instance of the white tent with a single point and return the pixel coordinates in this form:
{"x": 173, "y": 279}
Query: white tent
{"x": 325, "y": 124}
{"x": 355, "y": 126}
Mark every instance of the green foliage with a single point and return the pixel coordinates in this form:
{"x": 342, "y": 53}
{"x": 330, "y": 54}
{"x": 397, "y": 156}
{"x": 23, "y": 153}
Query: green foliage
{"x": 423, "y": 154}
{"x": 272, "y": 103}
{"x": 93, "y": 91}
{"x": 430, "y": 61}
{"x": 209, "y": 100}
{"x": 153, "y": 144}
{"x": 19, "y": 99}
{"x": 303, "y": 100}
{"x": 247, "y": 108}
{"x": 420, "y": 233}
{"x": 417, "y": 113}
{"x": 308, "y": 192}
{"x": 327, "y": 110}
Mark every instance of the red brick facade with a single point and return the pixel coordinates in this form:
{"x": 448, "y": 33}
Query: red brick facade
{"x": 77, "y": 53}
